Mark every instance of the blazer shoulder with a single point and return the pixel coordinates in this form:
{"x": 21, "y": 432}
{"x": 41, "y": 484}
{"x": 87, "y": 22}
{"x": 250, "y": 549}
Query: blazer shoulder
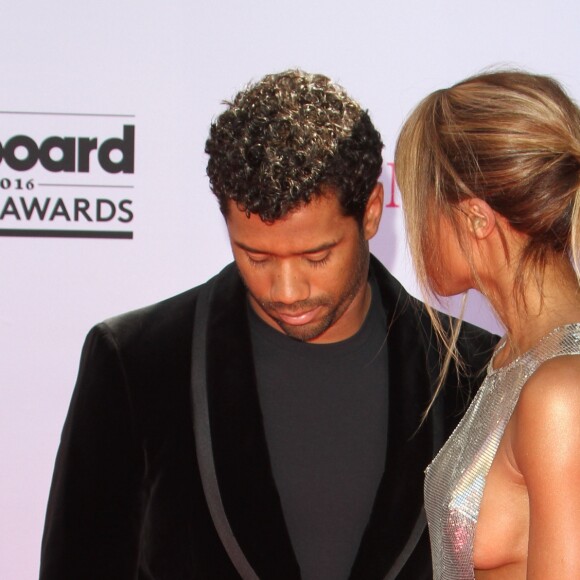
{"x": 159, "y": 317}
{"x": 472, "y": 340}
{"x": 166, "y": 318}
{"x": 476, "y": 345}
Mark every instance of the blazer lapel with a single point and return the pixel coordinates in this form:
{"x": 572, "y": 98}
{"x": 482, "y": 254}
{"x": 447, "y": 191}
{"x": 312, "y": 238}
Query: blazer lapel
{"x": 248, "y": 492}
{"x": 397, "y": 518}
{"x": 242, "y": 467}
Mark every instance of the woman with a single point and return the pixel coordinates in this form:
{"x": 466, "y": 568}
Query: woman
{"x": 489, "y": 171}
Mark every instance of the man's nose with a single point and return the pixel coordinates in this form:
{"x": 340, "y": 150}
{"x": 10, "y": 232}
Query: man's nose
{"x": 289, "y": 284}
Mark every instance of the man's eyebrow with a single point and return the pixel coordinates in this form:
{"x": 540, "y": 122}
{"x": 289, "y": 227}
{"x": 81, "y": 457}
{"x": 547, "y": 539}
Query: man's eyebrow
{"x": 320, "y": 248}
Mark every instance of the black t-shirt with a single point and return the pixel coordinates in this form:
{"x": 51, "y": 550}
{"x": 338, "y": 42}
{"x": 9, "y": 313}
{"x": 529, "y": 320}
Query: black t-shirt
{"x": 325, "y": 417}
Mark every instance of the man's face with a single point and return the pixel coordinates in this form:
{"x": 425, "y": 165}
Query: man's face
{"x": 306, "y": 274}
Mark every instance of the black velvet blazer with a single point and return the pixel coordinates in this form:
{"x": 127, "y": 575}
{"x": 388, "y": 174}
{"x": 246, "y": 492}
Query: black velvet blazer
{"x": 127, "y": 500}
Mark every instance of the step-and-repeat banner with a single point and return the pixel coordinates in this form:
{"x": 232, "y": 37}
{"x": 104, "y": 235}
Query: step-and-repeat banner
{"x": 104, "y": 203}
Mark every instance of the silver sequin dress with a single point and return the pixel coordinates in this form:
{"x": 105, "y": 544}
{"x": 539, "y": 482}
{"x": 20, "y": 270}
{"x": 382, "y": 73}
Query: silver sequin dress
{"x": 455, "y": 479}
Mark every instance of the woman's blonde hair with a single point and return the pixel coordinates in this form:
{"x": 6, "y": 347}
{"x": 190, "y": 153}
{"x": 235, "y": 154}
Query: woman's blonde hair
{"x": 510, "y": 138}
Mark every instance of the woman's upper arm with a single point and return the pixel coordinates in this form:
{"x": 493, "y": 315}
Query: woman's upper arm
{"x": 547, "y": 452}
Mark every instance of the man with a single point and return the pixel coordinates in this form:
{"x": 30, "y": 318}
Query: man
{"x": 267, "y": 423}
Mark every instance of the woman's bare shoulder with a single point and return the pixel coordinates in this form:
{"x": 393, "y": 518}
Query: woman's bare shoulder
{"x": 547, "y": 417}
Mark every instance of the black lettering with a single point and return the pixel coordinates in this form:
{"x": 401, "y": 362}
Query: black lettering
{"x": 9, "y": 209}
{"x": 124, "y": 208}
{"x": 81, "y": 207}
{"x": 10, "y": 153}
{"x": 101, "y": 217}
{"x": 67, "y": 160}
{"x": 126, "y": 146}
{"x": 85, "y": 148}
{"x": 34, "y": 207}
{"x": 60, "y": 210}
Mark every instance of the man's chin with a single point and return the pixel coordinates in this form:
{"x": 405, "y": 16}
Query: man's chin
{"x": 304, "y": 332}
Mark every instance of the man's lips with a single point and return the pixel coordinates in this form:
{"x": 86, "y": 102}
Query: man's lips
{"x": 298, "y": 318}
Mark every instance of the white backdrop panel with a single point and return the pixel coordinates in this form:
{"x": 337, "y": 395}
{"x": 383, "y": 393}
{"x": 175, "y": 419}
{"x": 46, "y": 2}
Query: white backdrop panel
{"x": 164, "y": 69}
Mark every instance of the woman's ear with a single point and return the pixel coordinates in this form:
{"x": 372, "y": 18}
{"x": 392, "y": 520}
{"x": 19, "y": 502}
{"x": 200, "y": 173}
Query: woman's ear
{"x": 481, "y": 219}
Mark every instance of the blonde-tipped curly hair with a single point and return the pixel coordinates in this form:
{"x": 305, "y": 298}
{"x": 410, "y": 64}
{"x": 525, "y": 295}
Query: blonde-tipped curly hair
{"x": 287, "y": 138}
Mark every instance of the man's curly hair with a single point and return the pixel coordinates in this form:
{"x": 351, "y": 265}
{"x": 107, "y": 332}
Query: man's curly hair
{"x": 288, "y": 138}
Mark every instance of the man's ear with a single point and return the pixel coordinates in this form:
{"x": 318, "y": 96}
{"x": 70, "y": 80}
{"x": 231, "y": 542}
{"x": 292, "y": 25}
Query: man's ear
{"x": 481, "y": 219}
{"x": 373, "y": 211}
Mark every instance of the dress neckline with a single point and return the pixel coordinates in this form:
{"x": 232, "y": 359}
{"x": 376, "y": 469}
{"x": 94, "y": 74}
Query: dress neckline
{"x": 502, "y": 343}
